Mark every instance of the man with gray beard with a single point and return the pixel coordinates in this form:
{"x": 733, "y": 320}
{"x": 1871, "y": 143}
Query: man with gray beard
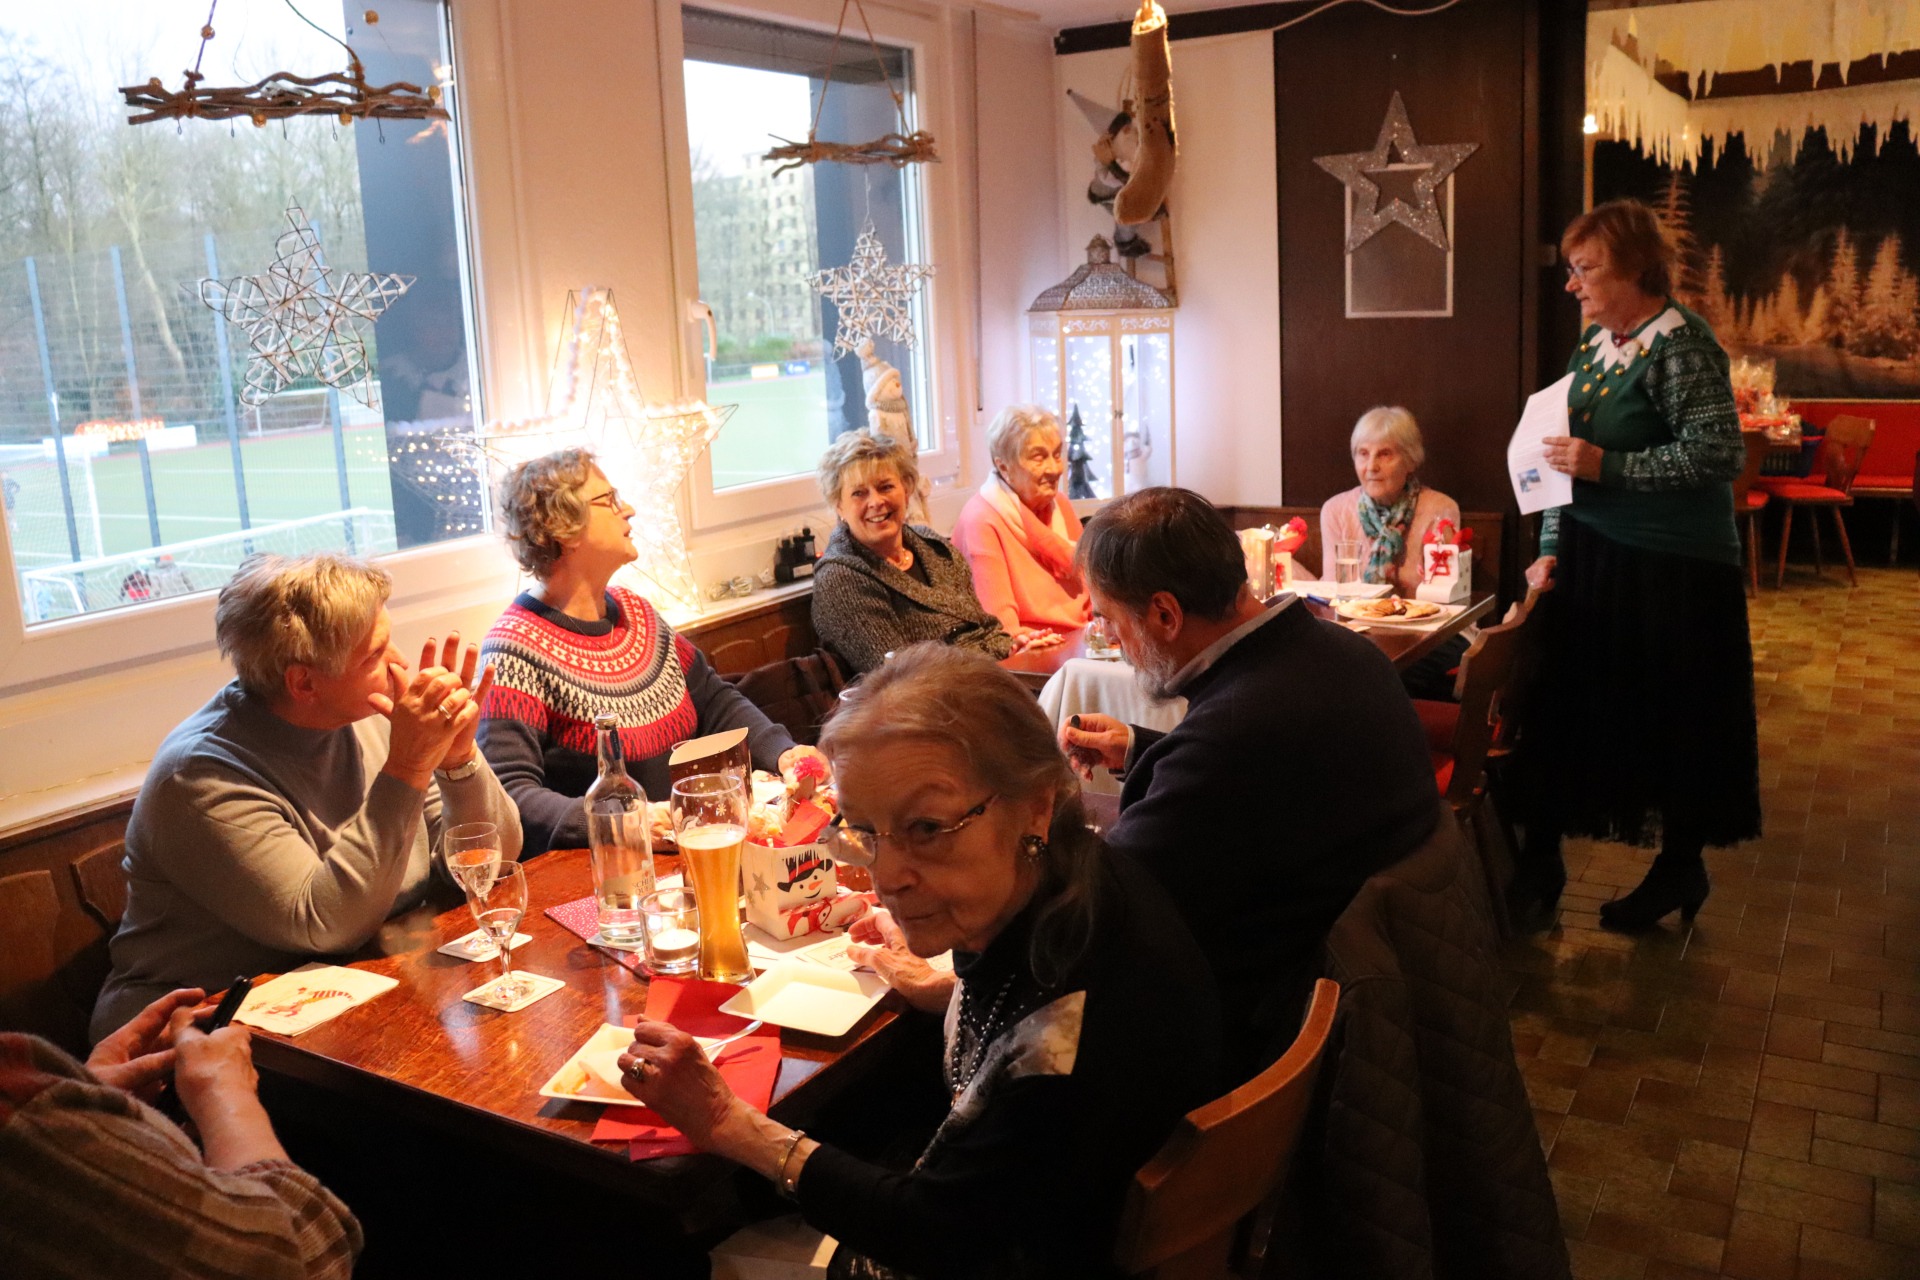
{"x": 1299, "y": 771}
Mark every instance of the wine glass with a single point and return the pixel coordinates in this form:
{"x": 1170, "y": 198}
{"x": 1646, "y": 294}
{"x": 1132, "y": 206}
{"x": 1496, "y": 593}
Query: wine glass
{"x": 472, "y": 853}
{"x": 498, "y": 908}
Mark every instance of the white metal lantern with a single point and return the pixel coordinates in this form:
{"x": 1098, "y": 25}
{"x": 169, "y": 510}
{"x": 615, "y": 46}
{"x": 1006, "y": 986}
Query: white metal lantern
{"x": 1101, "y": 343}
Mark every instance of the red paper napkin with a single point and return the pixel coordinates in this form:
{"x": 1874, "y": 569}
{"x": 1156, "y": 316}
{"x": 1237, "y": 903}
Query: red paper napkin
{"x": 749, "y": 1065}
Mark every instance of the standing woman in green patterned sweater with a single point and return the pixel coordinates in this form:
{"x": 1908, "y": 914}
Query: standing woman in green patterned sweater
{"x": 1642, "y": 726}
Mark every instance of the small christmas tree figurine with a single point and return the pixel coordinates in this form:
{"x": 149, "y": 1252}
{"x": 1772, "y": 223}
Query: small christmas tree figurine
{"x": 1080, "y": 476}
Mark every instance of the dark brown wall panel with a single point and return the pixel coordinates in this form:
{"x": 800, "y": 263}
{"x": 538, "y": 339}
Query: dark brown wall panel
{"x": 1464, "y": 76}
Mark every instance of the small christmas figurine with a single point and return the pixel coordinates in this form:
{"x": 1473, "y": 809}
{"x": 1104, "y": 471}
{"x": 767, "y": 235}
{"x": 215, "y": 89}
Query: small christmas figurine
{"x": 1080, "y": 474}
{"x": 887, "y": 412}
{"x": 1446, "y": 566}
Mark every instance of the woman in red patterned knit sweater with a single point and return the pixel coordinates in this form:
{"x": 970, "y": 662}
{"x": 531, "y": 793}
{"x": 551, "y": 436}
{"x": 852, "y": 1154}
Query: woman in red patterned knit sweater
{"x": 574, "y": 647}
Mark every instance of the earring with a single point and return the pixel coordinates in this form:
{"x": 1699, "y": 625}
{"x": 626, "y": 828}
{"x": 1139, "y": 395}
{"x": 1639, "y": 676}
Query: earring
{"x": 1033, "y": 848}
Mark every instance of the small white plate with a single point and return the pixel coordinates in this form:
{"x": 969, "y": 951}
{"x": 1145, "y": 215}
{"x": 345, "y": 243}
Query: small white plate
{"x": 1430, "y": 620}
{"x": 808, "y": 997}
{"x": 592, "y": 1074}
{"x": 578, "y": 1079}
{"x": 1332, "y": 590}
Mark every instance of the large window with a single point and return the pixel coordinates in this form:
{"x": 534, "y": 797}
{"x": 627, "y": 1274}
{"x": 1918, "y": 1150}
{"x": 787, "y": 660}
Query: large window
{"x": 132, "y": 464}
{"x": 761, "y": 235}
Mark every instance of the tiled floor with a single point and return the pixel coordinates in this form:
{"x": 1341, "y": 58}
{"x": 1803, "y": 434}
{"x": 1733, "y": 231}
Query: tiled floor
{"x": 1742, "y": 1097}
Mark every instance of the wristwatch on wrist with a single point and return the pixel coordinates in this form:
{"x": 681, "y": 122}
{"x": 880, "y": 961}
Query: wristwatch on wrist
{"x": 465, "y": 771}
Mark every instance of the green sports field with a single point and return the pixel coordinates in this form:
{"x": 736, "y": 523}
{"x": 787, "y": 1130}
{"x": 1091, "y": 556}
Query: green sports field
{"x": 779, "y": 430}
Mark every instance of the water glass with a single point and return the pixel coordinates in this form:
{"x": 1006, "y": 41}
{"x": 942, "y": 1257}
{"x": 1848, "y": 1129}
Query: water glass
{"x": 472, "y": 854}
{"x": 671, "y": 923}
{"x": 1349, "y": 558}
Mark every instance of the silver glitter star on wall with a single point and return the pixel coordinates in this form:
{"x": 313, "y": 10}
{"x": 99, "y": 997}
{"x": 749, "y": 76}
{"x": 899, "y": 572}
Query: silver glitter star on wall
{"x": 874, "y": 300}
{"x": 1396, "y": 135}
{"x": 300, "y": 321}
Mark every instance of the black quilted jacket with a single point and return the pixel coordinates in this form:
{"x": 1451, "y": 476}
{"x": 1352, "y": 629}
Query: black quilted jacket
{"x": 1424, "y": 1160}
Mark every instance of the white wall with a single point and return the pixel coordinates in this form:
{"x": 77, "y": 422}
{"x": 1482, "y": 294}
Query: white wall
{"x": 1227, "y": 245}
{"x": 567, "y": 170}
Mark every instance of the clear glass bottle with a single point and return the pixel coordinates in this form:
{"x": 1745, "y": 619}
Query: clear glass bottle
{"x": 621, "y": 843}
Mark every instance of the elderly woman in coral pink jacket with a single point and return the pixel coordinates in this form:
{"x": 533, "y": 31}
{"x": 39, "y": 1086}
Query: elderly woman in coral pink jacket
{"x": 1018, "y": 532}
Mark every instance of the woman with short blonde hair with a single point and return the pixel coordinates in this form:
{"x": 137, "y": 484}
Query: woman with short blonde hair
{"x": 575, "y": 646}
{"x": 275, "y": 612}
{"x": 1019, "y": 531}
{"x": 884, "y": 583}
{"x": 298, "y": 809}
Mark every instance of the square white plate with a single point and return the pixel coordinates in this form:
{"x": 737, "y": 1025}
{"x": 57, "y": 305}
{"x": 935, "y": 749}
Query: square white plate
{"x": 587, "y": 1076}
{"x": 575, "y": 1082}
{"x": 808, "y": 997}
{"x": 1327, "y": 590}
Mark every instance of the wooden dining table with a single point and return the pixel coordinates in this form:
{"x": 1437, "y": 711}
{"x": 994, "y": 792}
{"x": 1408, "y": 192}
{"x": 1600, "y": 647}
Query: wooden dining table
{"x": 475, "y": 1073}
{"x": 1404, "y": 646}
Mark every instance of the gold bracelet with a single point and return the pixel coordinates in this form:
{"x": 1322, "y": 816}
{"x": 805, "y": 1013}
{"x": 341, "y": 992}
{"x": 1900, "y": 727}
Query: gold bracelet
{"x": 789, "y": 1189}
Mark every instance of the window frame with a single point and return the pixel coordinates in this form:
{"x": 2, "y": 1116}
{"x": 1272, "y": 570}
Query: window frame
{"x": 44, "y": 654}
{"x": 940, "y": 198}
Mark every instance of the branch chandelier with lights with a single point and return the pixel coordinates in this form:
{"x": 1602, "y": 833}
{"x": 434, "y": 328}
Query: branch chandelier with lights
{"x": 346, "y": 96}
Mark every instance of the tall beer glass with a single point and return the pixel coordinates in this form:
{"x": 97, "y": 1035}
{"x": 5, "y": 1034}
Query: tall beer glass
{"x": 710, "y": 826}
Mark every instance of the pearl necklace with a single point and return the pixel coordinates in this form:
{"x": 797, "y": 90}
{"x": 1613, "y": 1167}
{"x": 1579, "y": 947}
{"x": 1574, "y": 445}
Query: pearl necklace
{"x": 980, "y": 1034}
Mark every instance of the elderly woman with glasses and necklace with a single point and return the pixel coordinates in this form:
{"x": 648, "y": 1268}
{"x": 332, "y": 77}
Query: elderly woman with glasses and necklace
{"x": 953, "y": 790}
{"x": 574, "y": 646}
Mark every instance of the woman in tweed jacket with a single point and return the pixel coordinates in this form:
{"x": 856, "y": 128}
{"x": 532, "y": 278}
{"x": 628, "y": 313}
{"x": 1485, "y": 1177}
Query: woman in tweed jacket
{"x": 884, "y": 584}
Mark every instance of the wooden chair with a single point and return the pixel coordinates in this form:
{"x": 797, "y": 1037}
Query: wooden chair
{"x": 101, "y": 881}
{"x": 1186, "y": 1210}
{"x": 1847, "y": 441}
{"x": 1749, "y": 501}
{"x": 1462, "y": 736}
{"x": 31, "y": 997}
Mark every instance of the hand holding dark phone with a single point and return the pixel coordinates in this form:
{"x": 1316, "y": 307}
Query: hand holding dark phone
{"x": 229, "y": 1005}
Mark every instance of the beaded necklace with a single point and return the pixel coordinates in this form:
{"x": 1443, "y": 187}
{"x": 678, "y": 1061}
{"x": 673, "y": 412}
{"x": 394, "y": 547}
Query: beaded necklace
{"x": 978, "y": 1034}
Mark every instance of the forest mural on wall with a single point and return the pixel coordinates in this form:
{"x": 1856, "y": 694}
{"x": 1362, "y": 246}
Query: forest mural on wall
{"x": 1795, "y": 255}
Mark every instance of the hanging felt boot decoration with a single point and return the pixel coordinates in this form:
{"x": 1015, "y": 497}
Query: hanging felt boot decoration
{"x": 1152, "y": 112}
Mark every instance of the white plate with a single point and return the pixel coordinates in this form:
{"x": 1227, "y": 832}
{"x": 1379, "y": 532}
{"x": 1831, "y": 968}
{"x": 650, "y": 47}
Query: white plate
{"x": 593, "y": 1072}
{"x": 1432, "y": 619}
{"x": 1328, "y": 590}
{"x": 576, "y": 1080}
{"x": 808, "y": 997}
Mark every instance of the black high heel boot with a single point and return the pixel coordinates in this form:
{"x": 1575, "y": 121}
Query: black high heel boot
{"x": 1669, "y": 886}
{"x": 1538, "y": 880}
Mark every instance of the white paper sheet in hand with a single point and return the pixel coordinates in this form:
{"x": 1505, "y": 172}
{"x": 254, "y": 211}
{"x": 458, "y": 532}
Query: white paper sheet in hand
{"x": 1537, "y": 485}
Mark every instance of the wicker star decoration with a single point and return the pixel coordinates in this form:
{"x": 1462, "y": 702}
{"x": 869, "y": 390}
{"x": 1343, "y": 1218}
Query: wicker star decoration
{"x": 1396, "y": 135}
{"x": 874, "y": 300}
{"x": 300, "y": 321}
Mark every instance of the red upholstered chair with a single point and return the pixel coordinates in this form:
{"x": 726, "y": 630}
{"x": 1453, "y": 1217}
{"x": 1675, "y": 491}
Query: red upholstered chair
{"x": 1885, "y": 472}
{"x": 1846, "y": 446}
{"x": 1749, "y": 501}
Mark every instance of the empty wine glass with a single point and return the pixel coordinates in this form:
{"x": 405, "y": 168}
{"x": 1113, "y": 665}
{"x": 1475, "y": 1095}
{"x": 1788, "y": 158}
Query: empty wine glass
{"x": 499, "y": 907}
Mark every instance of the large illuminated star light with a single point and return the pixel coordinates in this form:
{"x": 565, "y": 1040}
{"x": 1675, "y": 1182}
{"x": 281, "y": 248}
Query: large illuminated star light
{"x": 646, "y": 450}
{"x": 1439, "y": 160}
{"x": 874, "y": 300}
{"x": 300, "y": 320}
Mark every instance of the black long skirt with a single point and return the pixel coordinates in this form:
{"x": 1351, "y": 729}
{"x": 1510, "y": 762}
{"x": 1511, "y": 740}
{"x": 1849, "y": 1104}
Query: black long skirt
{"x": 1642, "y": 719}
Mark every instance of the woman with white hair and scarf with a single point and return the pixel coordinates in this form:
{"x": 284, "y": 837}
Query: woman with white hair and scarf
{"x": 1389, "y": 510}
{"x": 1019, "y": 531}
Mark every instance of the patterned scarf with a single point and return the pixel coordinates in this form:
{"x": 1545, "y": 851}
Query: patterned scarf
{"x": 1386, "y": 528}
